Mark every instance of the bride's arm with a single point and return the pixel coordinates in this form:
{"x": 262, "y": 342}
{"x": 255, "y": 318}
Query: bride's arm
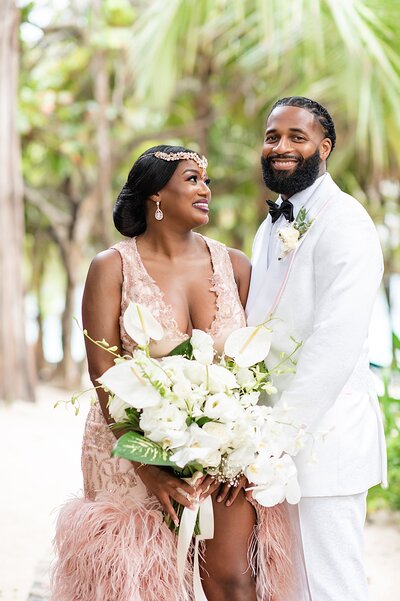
{"x": 101, "y": 308}
{"x": 242, "y": 270}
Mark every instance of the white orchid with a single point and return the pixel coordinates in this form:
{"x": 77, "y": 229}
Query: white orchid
{"x": 203, "y": 347}
{"x": 141, "y": 325}
{"x": 198, "y": 447}
{"x": 249, "y": 345}
{"x": 275, "y": 480}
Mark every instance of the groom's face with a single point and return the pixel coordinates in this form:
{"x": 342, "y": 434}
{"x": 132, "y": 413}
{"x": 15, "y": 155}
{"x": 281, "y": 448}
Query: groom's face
{"x": 295, "y": 150}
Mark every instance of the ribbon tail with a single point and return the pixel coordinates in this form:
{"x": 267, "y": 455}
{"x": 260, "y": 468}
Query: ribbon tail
{"x": 186, "y": 529}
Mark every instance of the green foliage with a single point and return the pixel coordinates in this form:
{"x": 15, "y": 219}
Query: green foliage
{"x": 184, "y": 348}
{"x": 136, "y": 447}
{"x": 203, "y": 74}
{"x": 390, "y": 405}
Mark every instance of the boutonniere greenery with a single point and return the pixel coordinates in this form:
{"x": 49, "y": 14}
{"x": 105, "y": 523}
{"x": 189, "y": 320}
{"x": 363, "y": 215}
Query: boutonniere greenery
{"x": 290, "y": 235}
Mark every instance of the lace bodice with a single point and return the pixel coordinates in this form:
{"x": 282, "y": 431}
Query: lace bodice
{"x": 102, "y": 473}
{"x": 139, "y": 286}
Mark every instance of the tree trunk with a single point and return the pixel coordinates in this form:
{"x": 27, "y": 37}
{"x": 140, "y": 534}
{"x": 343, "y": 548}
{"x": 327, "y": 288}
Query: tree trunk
{"x": 15, "y": 377}
{"x": 102, "y": 98}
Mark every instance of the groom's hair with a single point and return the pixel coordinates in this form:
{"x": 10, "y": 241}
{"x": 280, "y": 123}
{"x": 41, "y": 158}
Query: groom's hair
{"x": 314, "y": 107}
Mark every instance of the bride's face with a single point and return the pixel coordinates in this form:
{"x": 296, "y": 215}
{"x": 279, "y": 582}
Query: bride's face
{"x": 186, "y": 197}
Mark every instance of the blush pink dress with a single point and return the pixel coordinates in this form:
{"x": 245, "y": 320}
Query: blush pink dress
{"x": 113, "y": 544}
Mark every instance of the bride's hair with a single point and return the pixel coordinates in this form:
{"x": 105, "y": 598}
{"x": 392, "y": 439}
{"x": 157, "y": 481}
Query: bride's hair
{"x": 148, "y": 175}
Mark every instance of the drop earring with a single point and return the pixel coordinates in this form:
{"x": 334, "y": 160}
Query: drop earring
{"x": 158, "y": 214}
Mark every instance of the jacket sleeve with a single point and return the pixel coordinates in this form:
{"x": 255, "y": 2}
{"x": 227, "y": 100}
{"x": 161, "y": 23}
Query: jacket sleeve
{"x": 348, "y": 268}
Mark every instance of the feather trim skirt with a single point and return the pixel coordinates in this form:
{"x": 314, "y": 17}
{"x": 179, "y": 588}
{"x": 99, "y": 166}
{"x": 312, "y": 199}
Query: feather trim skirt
{"x": 120, "y": 549}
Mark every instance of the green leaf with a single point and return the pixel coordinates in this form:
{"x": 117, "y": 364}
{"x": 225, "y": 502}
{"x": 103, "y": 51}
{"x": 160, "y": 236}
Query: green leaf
{"x": 136, "y": 447}
{"x": 203, "y": 420}
{"x": 396, "y": 341}
{"x": 184, "y": 348}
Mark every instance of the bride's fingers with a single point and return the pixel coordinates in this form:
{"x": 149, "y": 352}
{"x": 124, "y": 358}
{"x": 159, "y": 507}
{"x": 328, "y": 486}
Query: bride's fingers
{"x": 234, "y": 491}
{"x": 205, "y": 485}
{"x": 182, "y": 497}
{"x": 223, "y": 493}
{"x": 168, "y": 507}
{"x": 211, "y": 488}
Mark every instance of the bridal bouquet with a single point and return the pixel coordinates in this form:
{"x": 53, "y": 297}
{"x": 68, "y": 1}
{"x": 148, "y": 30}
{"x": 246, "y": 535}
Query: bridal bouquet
{"x": 196, "y": 412}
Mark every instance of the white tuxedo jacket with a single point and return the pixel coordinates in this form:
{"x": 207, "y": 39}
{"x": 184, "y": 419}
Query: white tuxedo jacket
{"x": 322, "y": 294}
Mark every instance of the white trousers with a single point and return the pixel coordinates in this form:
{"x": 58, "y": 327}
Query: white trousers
{"x": 333, "y": 547}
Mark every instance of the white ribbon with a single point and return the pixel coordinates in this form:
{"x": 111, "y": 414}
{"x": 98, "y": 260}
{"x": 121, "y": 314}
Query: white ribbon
{"x": 186, "y": 528}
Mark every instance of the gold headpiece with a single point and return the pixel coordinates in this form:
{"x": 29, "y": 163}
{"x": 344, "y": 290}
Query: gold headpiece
{"x": 179, "y": 156}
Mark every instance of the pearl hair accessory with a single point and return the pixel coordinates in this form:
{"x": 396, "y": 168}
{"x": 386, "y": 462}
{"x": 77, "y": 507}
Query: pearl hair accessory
{"x": 180, "y": 156}
{"x": 158, "y": 214}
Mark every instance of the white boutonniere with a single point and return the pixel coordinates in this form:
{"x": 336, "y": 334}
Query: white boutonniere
{"x": 290, "y": 235}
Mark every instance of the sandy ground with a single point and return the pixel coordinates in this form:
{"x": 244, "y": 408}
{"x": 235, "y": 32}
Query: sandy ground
{"x": 40, "y": 469}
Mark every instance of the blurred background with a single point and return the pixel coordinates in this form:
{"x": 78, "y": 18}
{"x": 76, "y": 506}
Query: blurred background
{"x": 88, "y": 85}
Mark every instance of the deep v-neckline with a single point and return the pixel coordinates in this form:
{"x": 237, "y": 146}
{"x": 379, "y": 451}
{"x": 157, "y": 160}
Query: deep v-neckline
{"x": 161, "y": 294}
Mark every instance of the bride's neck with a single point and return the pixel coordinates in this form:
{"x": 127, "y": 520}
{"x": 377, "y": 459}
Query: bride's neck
{"x": 168, "y": 243}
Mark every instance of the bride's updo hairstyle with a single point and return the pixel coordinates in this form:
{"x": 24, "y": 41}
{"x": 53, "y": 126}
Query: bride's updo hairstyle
{"x": 148, "y": 175}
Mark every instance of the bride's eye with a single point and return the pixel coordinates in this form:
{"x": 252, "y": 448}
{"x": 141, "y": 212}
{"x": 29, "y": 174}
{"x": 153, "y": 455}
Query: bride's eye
{"x": 207, "y": 182}
{"x": 192, "y": 178}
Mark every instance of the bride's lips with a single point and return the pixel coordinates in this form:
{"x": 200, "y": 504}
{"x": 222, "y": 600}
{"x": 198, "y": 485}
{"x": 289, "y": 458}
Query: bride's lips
{"x": 202, "y": 205}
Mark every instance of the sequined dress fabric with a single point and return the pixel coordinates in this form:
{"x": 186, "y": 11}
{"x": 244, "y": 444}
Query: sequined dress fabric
{"x": 112, "y": 544}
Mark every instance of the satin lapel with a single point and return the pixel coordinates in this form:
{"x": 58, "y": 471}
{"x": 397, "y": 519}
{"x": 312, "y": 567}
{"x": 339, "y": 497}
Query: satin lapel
{"x": 259, "y": 261}
{"x": 271, "y": 283}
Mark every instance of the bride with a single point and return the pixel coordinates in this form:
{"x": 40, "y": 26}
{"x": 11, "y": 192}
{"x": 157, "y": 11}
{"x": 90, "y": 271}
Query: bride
{"x": 113, "y": 544}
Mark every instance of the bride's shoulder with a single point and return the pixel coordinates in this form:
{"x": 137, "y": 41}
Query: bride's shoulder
{"x": 239, "y": 260}
{"x": 106, "y": 264}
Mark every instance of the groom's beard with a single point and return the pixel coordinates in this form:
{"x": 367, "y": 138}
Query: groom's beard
{"x": 289, "y": 183}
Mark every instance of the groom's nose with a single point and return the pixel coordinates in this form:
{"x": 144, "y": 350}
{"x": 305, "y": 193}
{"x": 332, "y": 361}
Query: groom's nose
{"x": 283, "y": 145}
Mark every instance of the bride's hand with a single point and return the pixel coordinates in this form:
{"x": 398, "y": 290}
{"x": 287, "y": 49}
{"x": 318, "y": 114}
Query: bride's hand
{"x": 165, "y": 486}
{"x": 229, "y": 493}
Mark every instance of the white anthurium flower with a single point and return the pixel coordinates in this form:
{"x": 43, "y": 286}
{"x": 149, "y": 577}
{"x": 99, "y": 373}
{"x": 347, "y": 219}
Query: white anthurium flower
{"x": 203, "y": 347}
{"x": 116, "y": 408}
{"x": 126, "y": 381}
{"x": 141, "y": 325}
{"x": 249, "y": 345}
{"x": 199, "y": 446}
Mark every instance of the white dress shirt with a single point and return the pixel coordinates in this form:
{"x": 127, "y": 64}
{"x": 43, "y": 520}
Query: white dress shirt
{"x": 298, "y": 200}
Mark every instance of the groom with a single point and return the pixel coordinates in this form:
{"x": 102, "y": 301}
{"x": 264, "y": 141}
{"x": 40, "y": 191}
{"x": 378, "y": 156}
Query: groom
{"x": 321, "y": 287}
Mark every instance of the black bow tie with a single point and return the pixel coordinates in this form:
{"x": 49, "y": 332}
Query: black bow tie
{"x": 285, "y": 209}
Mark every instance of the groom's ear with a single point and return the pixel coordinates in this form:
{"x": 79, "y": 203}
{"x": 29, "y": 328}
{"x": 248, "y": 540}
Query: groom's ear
{"x": 325, "y": 148}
